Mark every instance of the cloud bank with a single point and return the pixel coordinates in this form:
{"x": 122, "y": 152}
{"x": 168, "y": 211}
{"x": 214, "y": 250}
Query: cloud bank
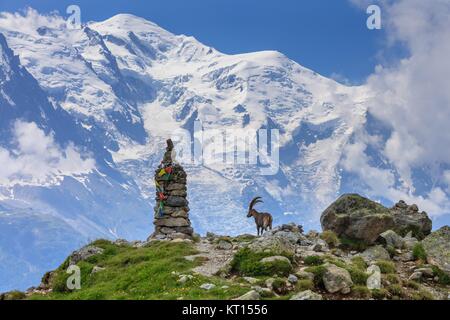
{"x": 412, "y": 97}
{"x": 37, "y": 160}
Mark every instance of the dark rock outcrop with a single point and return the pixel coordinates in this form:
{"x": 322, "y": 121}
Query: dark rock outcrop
{"x": 355, "y": 217}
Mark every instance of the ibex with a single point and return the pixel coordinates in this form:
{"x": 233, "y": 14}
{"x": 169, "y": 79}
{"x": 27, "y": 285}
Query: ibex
{"x": 263, "y": 220}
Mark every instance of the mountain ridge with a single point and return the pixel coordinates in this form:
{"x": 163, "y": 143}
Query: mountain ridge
{"x": 126, "y": 85}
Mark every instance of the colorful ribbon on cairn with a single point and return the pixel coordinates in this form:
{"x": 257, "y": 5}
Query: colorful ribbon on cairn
{"x": 165, "y": 173}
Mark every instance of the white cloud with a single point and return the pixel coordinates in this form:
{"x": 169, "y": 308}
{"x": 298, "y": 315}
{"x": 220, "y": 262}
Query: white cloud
{"x": 412, "y": 97}
{"x": 30, "y": 20}
{"x": 37, "y": 160}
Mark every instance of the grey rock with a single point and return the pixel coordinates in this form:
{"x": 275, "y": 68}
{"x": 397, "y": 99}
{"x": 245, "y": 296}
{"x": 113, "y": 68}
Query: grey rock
{"x": 174, "y": 201}
{"x": 97, "y": 269}
{"x": 207, "y": 286}
{"x": 319, "y": 246}
{"x": 359, "y": 218}
{"x": 292, "y": 279}
{"x": 273, "y": 244}
{"x": 273, "y": 259}
{"x": 171, "y": 222}
{"x": 416, "y": 276}
{"x": 306, "y": 295}
{"x": 374, "y": 279}
{"x": 391, "y": 239}
{"x": 84, "y": 253}
{"x": 250, "y": 280}
{"x": 251, "y": 295}
{"x": 356, "y": 217}
{"x": 224, "y": 245}
{"x": 337, "y": 279}
{"x": 375, "y": 253}
{"x": 427, "y": 272}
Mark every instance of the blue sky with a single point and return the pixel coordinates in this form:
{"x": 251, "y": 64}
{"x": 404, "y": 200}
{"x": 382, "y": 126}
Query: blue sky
{"x": 329, "y": 37}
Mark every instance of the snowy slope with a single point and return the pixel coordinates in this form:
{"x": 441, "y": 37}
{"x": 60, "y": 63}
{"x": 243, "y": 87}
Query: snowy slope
{"x": 125, "y": 85}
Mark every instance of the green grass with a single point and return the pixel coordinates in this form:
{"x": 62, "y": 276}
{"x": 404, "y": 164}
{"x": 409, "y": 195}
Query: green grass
{"x": 138, "y": 274}
{"x": 304, "y": 284}
{"x": 380, "y": 294}
{"x": 361, "y": 292}
{"x": 419, "y": 252}
{"x": 313, "y": 261}
{"x": 393, "y": 278}
{"x": 396, "y": 290}
{"x": 444, "y": 278}
{"x": 353, "y": 244}
{"x": 386, "y": 266}
{"x": 422, "y": 295}
{"x": 13, "y": 295}
{"x": 318, "y": 272}
{"x": 359, "y": 263}
{"x": 412, "y": 284}
{"x": 330, "y": 238}
{"x": 247, "y": 263}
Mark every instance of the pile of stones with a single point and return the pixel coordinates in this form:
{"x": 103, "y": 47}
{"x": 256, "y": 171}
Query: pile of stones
{"x": 171, "y": 218}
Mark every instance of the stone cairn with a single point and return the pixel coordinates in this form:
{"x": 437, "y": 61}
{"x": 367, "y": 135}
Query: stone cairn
{"x": 171, "y": 210}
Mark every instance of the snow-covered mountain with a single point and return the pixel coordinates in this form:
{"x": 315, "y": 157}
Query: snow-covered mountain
{"x": 85, "y": 114}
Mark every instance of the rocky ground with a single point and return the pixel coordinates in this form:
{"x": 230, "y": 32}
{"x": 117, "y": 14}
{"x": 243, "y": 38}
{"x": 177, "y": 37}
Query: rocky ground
{"x": 404, "y": 261}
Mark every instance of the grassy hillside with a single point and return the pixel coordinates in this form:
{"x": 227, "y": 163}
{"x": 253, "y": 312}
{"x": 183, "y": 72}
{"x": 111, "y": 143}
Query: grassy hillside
{"x": 140, "y": 273}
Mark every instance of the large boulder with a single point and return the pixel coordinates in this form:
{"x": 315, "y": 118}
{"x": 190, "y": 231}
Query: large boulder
{"x": 355, "y": 217}
{"x": 409, "y": 219}
{"x": 273, "y": 244}
{"x": 336, "y": 279}
{"x": 437, "y": 248}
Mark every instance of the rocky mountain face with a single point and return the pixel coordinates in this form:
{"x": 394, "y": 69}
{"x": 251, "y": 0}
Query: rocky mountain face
{"x": 103, "y": 99}
{"x": 283, "y": 263}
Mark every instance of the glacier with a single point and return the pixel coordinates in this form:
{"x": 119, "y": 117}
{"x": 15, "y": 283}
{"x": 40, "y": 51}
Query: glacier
{"x": 110, "y": 93}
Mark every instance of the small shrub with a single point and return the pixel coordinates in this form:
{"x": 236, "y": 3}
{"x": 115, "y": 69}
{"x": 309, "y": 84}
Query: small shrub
{"x": 353, "y": 244}
{"x": 337, "y": 262}
{"x": 330, "y": 238}
{"x": 443, "y": 277}
{"x": 380, "y": 294}
{"x": 13, "y": 295}
{"x": 419, "y": 252}
{"x": 395, "y": 290}
{"x": 279, "y": 286}
{"x": 318, "y": 272}
{"x": 361, "y": 292}
{"x": 313, "y": 261}
{"x": 247, "y": 263}
{"x": 412, "y": 284}
{"x": 386, "y": 266}
{"x": 422, "y": 295}
{"x": 392, "y": 278}
{"x": 196, "y": 238}
{"x": 304, "y": 284}
{"x": 391, "y": 250}
{"x": 359, "y": 276}
{"x": 359, "y": 263}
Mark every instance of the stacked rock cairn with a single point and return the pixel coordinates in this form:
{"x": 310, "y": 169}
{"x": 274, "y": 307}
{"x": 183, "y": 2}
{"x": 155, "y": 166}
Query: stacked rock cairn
{"x": 171, "y": 209}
